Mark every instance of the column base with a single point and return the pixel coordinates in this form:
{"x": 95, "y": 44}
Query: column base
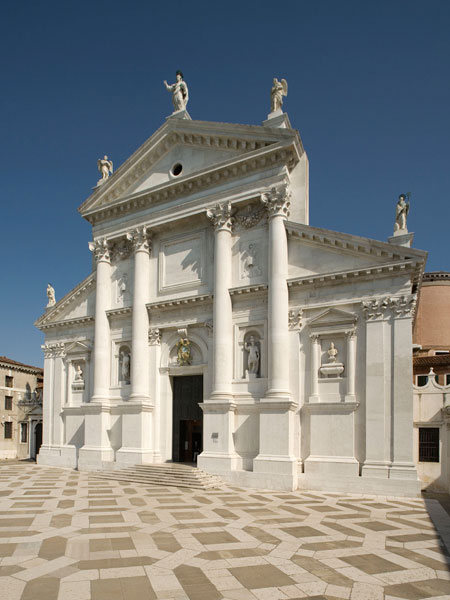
{"x": 329, "y": 467}
{"x": 217, "y": 463}
{"x": 276, "y": 471}
{"x": 58, "y": 456}
{"x": 133, "y": 456}
{"x": 92, "y": 458}
{"x": 379, "y": 469}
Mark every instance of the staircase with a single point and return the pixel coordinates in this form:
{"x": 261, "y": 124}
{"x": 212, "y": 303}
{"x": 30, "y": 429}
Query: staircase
{"x": 166, "y": 474}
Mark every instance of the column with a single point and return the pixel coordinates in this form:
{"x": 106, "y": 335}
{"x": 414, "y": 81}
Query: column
{"x": 101, "y": 251}
{"x": 140, "y": 239}
{"x": 276, "y": 464}
{"x": 138, "y": 412}
{"x": 154, "y": 340}
{"x": 97, "y": 413}
{"x": 351, "y": 366}
{"x": 315, "y": 365}
{"x": 218, "y": 425}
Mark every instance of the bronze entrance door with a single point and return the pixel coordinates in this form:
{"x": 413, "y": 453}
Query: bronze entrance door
{"x": 187, "y": 432}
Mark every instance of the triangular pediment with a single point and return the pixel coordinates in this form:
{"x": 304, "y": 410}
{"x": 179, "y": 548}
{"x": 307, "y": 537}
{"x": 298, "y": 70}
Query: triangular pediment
{"x": 333, "y": 316}
{"x": 200, "y": 147}
{"x": 78, "y": 347}
{"x": 316, "y": 252}
{"x": 76, "y": 306}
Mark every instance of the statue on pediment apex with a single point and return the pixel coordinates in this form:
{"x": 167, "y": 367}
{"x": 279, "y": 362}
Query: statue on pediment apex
{"x": 180, "y": 93}
{"x": 105, "y": 166}
{"x": 279, "y": 89}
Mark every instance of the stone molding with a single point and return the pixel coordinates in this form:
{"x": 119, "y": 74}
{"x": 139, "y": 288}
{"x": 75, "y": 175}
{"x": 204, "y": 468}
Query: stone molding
{"x": 277, "y": 201}
{"x": 177, "y": 302}
{"x": 397, "y": 307}
{"x": 101, "y": 249}
{"x": 154, "y": 336}
{"x": 140, "y": 239}
{"x": 248, "y": 289}
{"x": 54, "y": 350}
{"x": 67, "y": 323}
{"x": 221, "y": 216}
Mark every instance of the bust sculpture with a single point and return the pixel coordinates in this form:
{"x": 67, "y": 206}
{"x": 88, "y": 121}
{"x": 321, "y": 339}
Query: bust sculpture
{"x": 78, "y": 373}
{"x": 180, "y": 94}
{"x": 50, "y": 295}
{"x": 401, "y": 212}
{"x": 105, "y": 166}
{"x": 332, "y": 353}
{"x": 279, "y": 89}
{"x": 253, "y": 356}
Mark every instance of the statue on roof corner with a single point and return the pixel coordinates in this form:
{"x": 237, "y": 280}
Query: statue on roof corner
{"x": 180, "y": 94}
{"x": 401, "y": 212}
{"x": 51, "y": 295}
{"x": 105, "y": 167}
{"x": 279, "y": 89}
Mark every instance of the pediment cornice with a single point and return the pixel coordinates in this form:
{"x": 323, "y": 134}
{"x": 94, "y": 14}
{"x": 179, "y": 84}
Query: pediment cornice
{"x": 236, "y": 167}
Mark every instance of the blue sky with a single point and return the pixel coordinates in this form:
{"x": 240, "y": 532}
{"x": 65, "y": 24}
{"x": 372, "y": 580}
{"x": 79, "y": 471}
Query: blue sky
{"x": 369, "y": 91}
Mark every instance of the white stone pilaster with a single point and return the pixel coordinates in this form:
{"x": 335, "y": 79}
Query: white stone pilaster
{"x": 315, "y": 365}
{"x": 351, "y": 366}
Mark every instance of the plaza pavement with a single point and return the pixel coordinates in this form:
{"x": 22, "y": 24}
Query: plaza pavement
{"x": 65, "y": 535}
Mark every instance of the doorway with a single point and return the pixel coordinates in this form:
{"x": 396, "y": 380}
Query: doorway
{"x": 38, "y": 439}
{"x": 187, "y": 431}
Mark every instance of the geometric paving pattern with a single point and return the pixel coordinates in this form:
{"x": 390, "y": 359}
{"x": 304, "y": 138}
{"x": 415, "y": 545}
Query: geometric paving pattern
{"x": 67, "y": 536}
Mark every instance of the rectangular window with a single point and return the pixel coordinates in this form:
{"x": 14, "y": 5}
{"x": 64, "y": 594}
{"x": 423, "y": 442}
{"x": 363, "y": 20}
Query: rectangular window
{"x": 422, "y": 380}
{"x": 447, "y": 379}
{"x": 428, "y": 444}
{"x": 8, "y": 429}
{"x": 9, "y": 381}
{"x": 441, "y": 352}
{"x": 8, "y": 402}
{"x": 24, "y": 433}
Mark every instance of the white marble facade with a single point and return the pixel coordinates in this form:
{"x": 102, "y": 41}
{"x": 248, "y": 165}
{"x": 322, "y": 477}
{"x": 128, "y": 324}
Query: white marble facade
{"x": 302, "y": 335}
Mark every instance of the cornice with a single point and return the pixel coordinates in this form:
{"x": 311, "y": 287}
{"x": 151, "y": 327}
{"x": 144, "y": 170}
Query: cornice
{"x": 67, "y": 323}
{"x": 347, "y": 276}
{"x": 23, "y": 369}
{"x": 248, "y": 289}
{"x": 48, "y": 316}
{"x": 119, "y": 312}
{"x": 177, "y": 302}
{"x": 236, "y": 167}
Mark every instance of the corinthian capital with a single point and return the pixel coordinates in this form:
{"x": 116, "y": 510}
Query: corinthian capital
{"x": 101, "y": 249}
{"x": 220, "y": 216}
{"x": 277, "y": 201}
{"x": 140, "y": 239}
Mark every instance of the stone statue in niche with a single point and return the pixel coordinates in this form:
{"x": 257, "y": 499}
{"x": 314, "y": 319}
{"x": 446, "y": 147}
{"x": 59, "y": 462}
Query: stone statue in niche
{"x": 401, "y": 212}
{"x": 78, "y": 374}
{"x": 124, "y": 365}
{"x": 184, "y": 356}
{"x": 180, "y": 93}
{"x": 252, "y": 357}
{"x": 279, "y": 89}
{"x": 332, "y": 353}
{"x": 332, "y": 368}
{"x": 105, "y": 166}
{"x": 50, "y": 295}
{"x": 250, "y": 259}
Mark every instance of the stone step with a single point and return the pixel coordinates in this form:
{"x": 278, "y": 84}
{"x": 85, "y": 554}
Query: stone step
{"x": 163, "y": 474}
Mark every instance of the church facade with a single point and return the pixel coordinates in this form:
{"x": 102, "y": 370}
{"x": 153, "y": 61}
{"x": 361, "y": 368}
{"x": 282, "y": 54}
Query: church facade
{"x": 219, "y": 327}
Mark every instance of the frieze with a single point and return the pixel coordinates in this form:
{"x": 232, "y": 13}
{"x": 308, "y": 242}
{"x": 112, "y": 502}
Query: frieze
{"x": 250, "y": 216}
{"x": 402, "y": 306}
{"x": 54, "y": 350}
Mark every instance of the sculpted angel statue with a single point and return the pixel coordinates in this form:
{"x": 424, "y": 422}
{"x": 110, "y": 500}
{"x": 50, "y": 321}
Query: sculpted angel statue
{"x": 51, "y": 295}
{"x": 180, "y": 93}
{"x": 279, "y": 89}
{"x": 401, "y": 212}
{"x": 105, "y": 167}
